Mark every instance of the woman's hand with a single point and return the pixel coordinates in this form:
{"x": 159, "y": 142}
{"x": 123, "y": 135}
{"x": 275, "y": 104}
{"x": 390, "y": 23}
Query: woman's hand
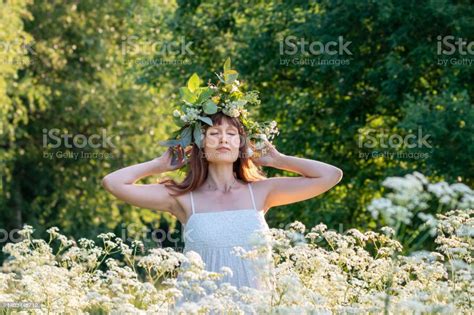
{"x": 267, "y": 156}
{"x": 174, "y": 158}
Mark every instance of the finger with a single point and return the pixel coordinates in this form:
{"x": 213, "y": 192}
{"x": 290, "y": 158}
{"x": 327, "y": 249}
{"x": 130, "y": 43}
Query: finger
{"x": 270, "y": 145}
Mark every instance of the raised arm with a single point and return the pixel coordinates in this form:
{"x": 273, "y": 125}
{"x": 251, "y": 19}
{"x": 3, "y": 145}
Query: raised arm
{"x": 121, "y": 183}
{"x": 318, "y": 177}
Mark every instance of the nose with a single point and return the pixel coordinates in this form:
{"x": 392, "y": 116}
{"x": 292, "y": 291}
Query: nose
{"x": 223, "y": 138}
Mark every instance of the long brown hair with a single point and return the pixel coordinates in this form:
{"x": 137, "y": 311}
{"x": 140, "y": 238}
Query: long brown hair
{"x": 243, "y": 168}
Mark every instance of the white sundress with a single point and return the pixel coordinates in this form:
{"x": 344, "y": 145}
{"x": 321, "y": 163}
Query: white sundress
{"x": 214, "y": 234}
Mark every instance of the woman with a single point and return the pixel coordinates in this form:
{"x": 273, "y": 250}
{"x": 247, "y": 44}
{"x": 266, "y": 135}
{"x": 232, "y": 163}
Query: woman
{"x": 224, "y": 197}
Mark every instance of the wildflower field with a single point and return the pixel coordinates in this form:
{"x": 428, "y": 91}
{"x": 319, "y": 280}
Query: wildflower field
{"x": 315, "y": 270}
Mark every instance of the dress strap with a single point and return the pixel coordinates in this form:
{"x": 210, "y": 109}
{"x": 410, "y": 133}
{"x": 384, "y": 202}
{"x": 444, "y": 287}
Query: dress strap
{"x": 192, "y": 202}
{"x": 251, "y": 195}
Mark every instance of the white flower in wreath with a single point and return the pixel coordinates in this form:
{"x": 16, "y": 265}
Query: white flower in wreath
{"x": 232, "y": 112}
{"x": 249, "y": 152}
{"x": 260, "y": 145}
{"x": 192, "y": 114}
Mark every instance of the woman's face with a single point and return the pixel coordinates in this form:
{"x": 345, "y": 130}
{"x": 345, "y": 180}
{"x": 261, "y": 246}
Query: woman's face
{"x": 221, "y": 143}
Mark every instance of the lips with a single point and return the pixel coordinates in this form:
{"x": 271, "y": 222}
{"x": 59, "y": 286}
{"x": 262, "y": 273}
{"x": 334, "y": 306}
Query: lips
{"x": 223, "y": 149}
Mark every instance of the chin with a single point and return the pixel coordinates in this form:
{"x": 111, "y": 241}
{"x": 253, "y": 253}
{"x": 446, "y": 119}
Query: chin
{"x": 223, "y": 160}
{"x": 227, "y": 157}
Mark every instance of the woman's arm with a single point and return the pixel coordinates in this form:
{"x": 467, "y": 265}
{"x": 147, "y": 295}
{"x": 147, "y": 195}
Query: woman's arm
{"x": 317, "y": 178}
{"x": 121, "y": 183}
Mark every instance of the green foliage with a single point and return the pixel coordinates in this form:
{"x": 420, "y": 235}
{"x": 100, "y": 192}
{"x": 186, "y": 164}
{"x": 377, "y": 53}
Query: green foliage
{"x": 324, "y": 110}
{"x": 447, "y": 117}
{"x": 114, "y": 68}
{"x": 14, "y": 45}
{"x": 78, "y": 84}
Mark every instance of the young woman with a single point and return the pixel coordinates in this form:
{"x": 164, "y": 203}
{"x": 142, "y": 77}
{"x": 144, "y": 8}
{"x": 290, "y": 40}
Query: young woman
{"x": 225, "y": 195}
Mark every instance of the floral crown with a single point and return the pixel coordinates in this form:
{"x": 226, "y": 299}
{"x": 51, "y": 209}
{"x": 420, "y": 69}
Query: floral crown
{"x": 197, "y": 103}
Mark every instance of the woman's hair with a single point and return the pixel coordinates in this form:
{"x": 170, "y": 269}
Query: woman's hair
{"x": 244, "y": 169}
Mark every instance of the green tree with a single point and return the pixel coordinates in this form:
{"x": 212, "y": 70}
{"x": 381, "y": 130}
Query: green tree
{"x": 80, "y": 83}
{"x": 324, "y": 111}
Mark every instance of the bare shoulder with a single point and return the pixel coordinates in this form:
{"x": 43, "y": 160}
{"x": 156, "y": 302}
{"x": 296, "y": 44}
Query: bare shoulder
{"x": 260, "y": 189}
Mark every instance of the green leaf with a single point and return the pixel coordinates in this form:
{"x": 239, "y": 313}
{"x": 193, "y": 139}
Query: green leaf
{"x": 227, "y": 65}
{"x": 210, "y": 107}
{"x": 205, "y": 94}
{"x": 176, "y": 133}
{"x": 183, "y": 91}
{"x": 197, "y": 134}
{"x": 220, "y": 78}
{"x": 177, "y": 121}
{"x": 193, "y": 82}
{"x": 170, "y": 142}
{"x": 230, "y": 76}
{"x": 186, "y": 137}
{"x": 207, "y": 120}
{"x": 187, "y": 95}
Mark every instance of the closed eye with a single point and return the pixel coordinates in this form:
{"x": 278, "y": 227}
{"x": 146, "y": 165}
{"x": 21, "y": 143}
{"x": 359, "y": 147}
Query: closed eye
{"x": 213, "y": 134}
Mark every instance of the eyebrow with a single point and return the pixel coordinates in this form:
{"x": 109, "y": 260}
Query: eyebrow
{"x": 229, "y": 127}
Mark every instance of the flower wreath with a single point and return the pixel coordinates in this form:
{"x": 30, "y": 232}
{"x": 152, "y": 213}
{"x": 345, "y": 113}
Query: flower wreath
{"x": 198, "y": 102}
